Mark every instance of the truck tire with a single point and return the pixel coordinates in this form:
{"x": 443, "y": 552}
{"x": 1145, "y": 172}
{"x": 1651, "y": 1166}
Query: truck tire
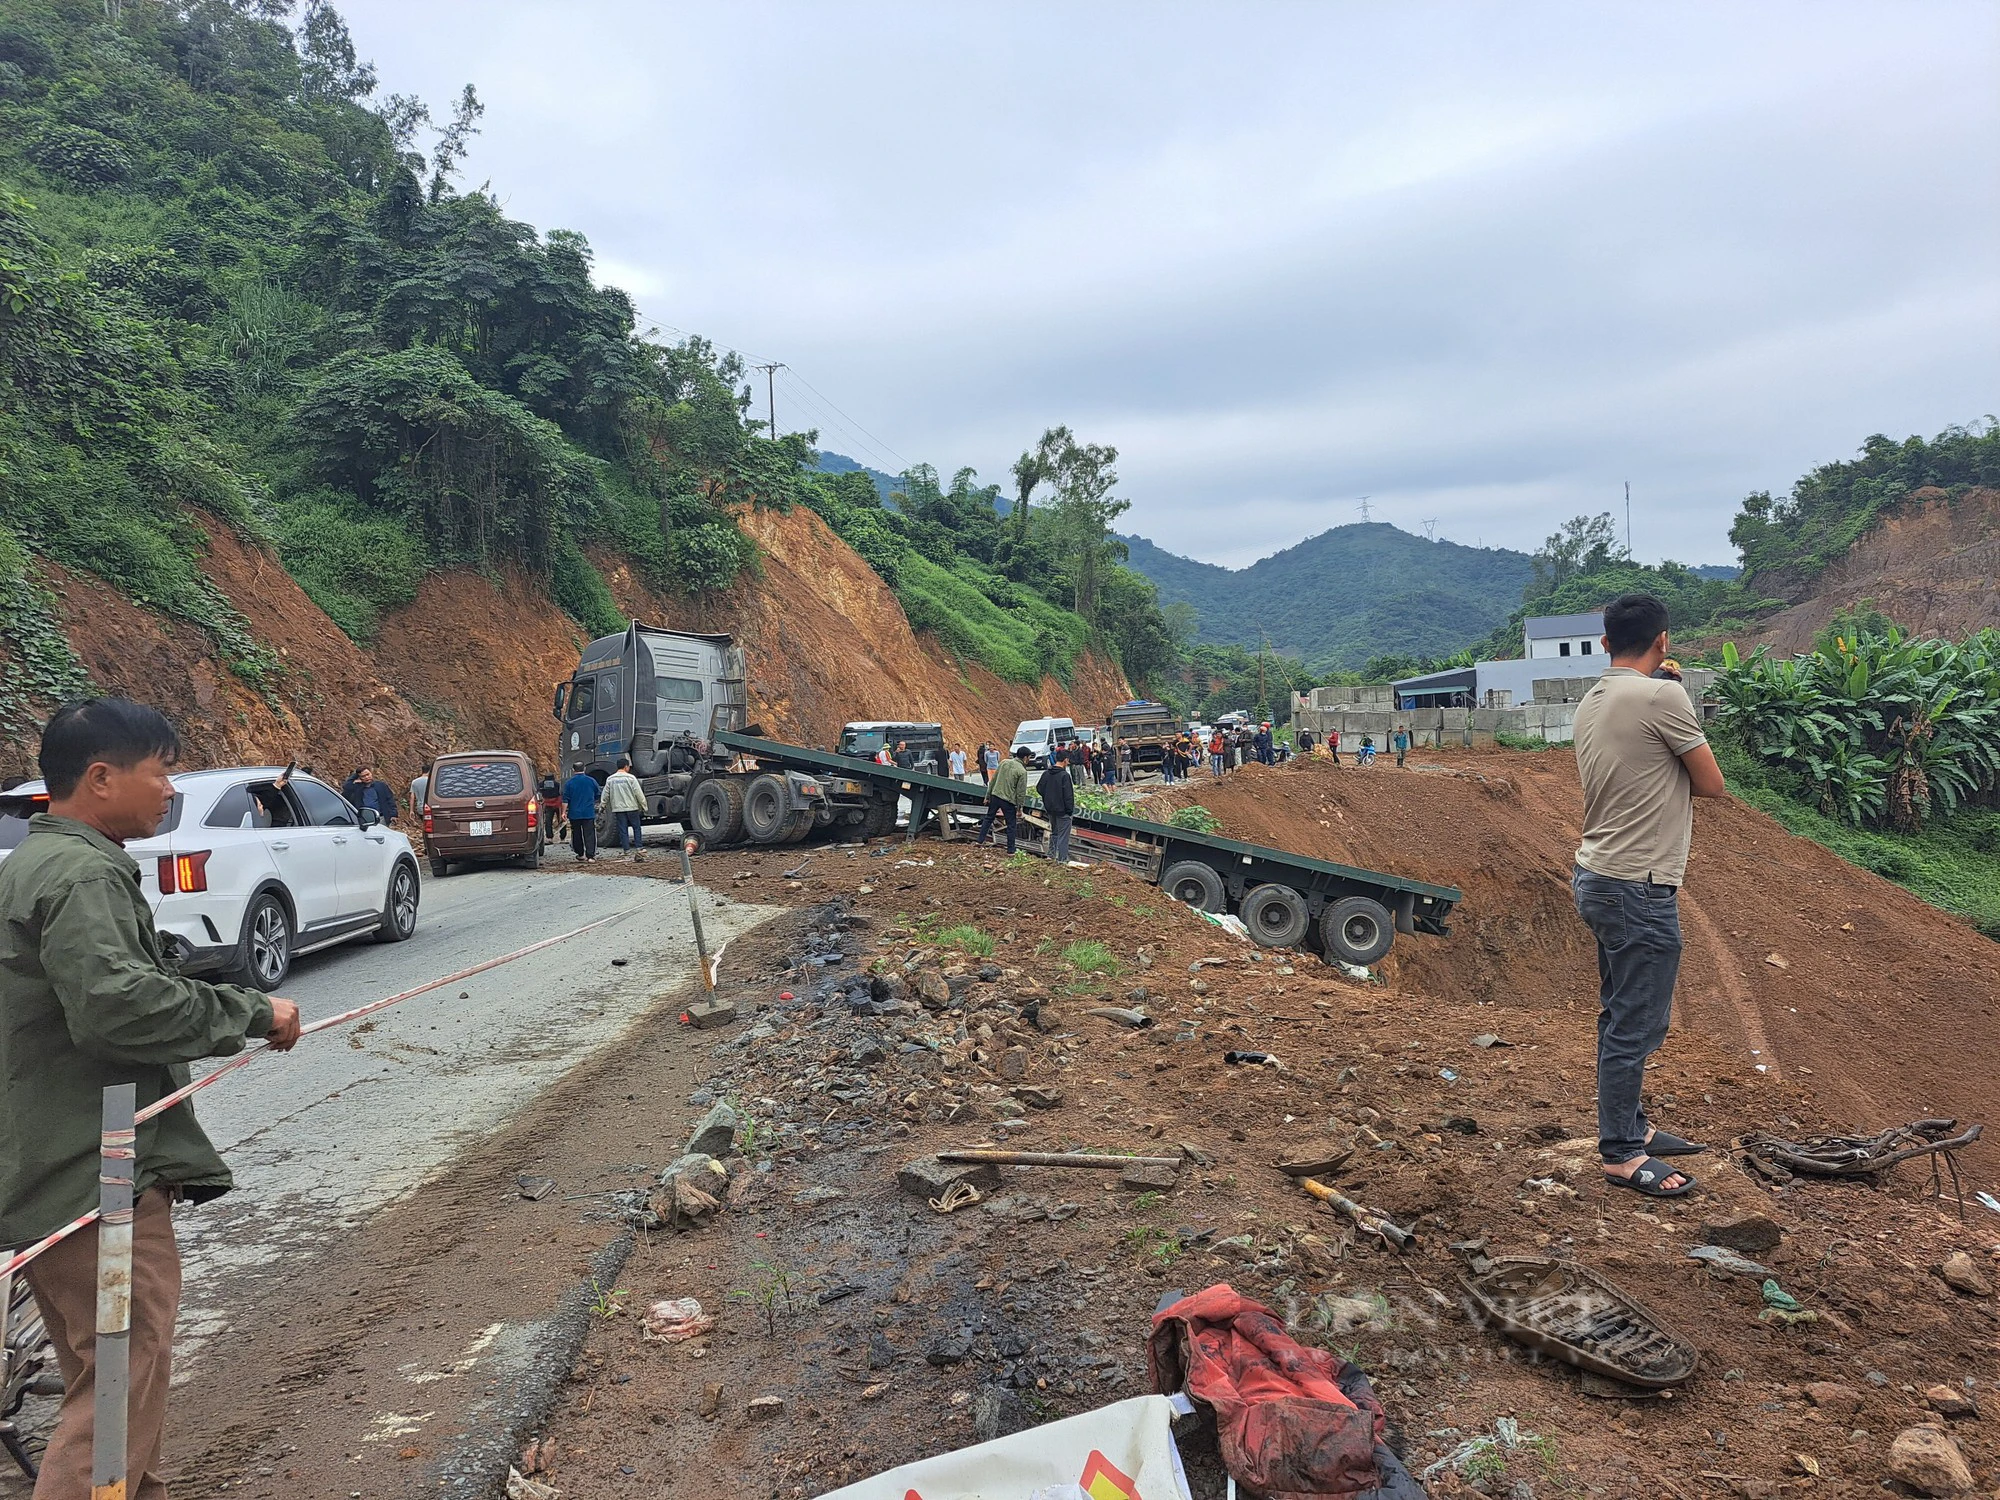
{"x": 798, "y": 827}
{"x": 1276, "y": 915}
{"x": 880, "y": 820}
{"x": 767, "y": 808}
{"x": 715, "y": 812}
{"x": 1357, "y": 929}
{"x": 1195, "y": 884}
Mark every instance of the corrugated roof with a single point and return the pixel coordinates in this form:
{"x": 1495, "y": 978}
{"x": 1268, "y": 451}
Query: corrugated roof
{"x": 1541, "y": 627}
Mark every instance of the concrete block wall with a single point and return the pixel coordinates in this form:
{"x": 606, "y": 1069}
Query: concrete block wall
{"x": 1554, "y": 722}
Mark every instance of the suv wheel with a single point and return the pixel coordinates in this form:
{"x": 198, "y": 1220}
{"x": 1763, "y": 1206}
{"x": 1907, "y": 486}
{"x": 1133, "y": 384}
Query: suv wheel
{"x": 399, "y": 910}
{"x": 267, "y": 944}
{"x": 440, "y": 867}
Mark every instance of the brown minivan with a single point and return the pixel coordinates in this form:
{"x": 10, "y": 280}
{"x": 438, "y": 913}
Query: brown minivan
{"x": 482, "y": 805}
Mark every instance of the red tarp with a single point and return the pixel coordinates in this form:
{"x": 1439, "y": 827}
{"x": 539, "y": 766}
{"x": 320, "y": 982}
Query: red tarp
{"x": 1286, "y": 1430}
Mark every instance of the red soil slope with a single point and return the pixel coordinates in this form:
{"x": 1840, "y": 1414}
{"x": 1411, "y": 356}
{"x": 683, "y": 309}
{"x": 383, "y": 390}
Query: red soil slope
{"x": 1884, "y": 1007}
{"x": 828, "y": 643}
{"x": 1930, "y": 567}
{"x": 472, "y": 662}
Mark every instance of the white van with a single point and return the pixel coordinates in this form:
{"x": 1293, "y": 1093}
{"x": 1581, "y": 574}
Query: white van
{"x": 1042, "y": 737}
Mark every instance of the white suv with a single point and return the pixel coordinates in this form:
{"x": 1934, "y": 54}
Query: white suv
{"x": 250, "y": 868}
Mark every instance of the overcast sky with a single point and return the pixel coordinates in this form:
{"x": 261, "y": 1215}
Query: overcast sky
{"x": 1480, "y": 262}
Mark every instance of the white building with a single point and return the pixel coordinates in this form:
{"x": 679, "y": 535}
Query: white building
{"x": 1574, "y": 636}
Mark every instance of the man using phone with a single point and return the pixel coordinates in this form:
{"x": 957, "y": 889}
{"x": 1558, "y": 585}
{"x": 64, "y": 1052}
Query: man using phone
{"x": 87, "y": 1001}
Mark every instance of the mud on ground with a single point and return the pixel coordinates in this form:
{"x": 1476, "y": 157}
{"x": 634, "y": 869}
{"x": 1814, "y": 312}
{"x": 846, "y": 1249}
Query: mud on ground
{"x": 888, "y": 1330}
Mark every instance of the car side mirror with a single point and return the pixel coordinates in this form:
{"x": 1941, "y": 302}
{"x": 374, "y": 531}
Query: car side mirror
{"x": 370, "y": 817}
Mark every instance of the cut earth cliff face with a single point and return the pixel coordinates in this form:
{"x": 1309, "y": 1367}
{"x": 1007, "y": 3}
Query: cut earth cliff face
{"x": 473, "y": 661}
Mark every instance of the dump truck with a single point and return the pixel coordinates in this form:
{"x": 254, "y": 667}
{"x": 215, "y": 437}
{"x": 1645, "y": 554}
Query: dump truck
{"x": 1147, "y": 728}
{"x": 676, "y": 706}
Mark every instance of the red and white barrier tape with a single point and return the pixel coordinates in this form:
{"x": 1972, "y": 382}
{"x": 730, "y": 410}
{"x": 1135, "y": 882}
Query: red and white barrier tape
{"x": 160, "y": 1106}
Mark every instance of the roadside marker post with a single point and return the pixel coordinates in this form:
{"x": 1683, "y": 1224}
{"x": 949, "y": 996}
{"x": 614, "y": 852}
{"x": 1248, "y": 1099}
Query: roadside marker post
{"x": 694, "y": 915}
{"x": 118, "y": 1154}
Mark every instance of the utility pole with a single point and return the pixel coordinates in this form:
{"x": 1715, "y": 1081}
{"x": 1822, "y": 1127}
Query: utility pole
{"x": 1628, "y": 518}
{"x": 771, "y": 392}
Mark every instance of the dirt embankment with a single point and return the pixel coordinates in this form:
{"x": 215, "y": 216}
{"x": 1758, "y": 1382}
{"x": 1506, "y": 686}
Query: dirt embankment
{"x": 1929, "y": 566}
{"x": 1811, "y": 969}
{"x": 472, "y": 661}
{"x": 327, "y": 706}
{"x": 829, "y": 643}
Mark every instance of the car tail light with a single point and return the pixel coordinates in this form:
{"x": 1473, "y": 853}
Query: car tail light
{"x": 184, "y": 872}
{"x": 427, "y": 818}
{"x": 533, "y": 811}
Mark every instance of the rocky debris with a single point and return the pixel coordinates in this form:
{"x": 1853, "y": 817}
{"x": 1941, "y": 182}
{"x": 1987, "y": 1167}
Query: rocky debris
{"x": 1142, "y": 1178}
{"x": 1929, "y": 1462}
{"x": 1751, "y": 1233}
{"x": 881, "y": 1353}
{"x": 926, "y": 1177}
{"x": 1828, "y": 1395}
{"x": 1962, "y": 1274}
{"x": 765, "y": 1408}
{"x": 690, "y": 1193}
{"x": 1321, "y": 1159}
{"x": 933, "y": 990}
{"x": 950, "y": 1348}
{"x": 998, "y": 1412}
{"x": 1014, "y": 1064}
{"x": 520, "y": 1487}
{"x": 711, "y": 1399}
{"x": 716, "y": 1134}
{"x": 1950, "y": 1401}
{"x": 534, "y": 1189}
{"x": 1037, "y": 1096}
{"x": 1726, "y": 1262}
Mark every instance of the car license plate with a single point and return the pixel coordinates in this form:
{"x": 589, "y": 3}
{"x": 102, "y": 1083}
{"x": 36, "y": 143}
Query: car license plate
{"x": 483, "y": 829}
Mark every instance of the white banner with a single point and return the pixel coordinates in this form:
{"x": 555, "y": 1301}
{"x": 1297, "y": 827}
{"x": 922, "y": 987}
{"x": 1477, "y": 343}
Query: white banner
{"x": 1120, "y": 1452}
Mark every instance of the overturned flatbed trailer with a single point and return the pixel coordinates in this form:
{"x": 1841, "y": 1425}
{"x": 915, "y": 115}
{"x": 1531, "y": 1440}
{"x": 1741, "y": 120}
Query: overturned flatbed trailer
{"x": 1285, "y": 900}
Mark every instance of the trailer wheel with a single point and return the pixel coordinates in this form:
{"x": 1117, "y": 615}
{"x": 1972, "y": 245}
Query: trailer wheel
{"x": 1195, "y": 884}
{"x": 767, "y": 808}
{"x": 1357, "y": 929}
{"x": 880, "y": 819}
{"x": 715, "y": 812}
{"x": 1276, "y": 915}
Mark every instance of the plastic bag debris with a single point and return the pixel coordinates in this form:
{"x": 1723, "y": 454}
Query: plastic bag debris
{"x": 673, "y": 1320}
{"x": 1506, "y": 1437}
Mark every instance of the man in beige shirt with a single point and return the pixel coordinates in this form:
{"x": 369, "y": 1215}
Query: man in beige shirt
{"x": 1643, "y": 759}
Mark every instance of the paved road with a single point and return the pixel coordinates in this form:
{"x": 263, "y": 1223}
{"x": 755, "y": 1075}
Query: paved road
{"x": 361, "y": 1114}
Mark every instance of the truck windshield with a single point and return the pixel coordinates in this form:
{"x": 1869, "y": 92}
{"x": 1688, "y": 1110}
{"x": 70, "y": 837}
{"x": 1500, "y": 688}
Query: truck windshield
{"x": 583, "y": 699}
{"x": 862, "y": 741}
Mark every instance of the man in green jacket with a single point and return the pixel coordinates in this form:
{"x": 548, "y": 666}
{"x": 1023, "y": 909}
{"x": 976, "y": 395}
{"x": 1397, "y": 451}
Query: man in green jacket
{"x": 1005, "y": 797}
{"x": 87, "y": 1001}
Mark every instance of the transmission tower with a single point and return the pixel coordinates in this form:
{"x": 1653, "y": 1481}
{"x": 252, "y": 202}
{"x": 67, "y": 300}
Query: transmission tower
{"x": 1431, "y": 530}
{"x": 1364, "y": 507}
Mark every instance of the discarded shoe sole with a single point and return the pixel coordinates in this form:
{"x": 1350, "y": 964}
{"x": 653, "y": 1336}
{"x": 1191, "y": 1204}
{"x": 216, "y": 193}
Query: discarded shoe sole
{"x": 1569, "y": 1312}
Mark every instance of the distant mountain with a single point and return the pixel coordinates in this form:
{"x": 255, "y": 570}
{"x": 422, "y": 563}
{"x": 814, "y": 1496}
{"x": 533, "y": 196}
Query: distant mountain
{"x": 1339, "y": 598}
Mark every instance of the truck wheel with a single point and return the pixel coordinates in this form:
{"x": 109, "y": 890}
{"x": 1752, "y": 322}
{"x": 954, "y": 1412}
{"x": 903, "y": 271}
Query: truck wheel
{"x": 1195, "y": 884}
{"x": 880, "y": 820}
{"x": 715, "y": 812}
{"x": 767, "y": 808}
{"x": 1276, "y": 915}
{"x": 798, "y": 826}
{"x": 1357, "y": 929}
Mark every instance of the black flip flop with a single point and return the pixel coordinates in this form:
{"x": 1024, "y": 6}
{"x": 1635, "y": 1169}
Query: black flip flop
{"x": 1666, "y": 1143}
{"x": 1650, "y": 1172}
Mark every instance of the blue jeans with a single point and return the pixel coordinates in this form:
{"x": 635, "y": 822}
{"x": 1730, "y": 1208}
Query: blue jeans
{"x": 1008, "y": 814}
{"x": 1638, "y": 930}
{"x": 631, "y": 831}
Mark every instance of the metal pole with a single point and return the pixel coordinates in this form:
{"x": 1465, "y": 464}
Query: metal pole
{"x": 117, "y": 1150}
{"x": 694, "y": 914}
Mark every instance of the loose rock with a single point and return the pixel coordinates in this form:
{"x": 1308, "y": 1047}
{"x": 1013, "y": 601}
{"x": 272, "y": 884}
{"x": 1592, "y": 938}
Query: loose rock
{"x": 716, "y": 1134}
{"x": 1751, "y": 1233}
{"x": 1831, "y": 1396}
{"x": 1962, "y": 1274}
{"x": 929, "y": 1178}
{"x": 764, "y": 1408}
{"x": 1929, "y": 1462}
{"x": 1950, "y": 1401}
{"x": 1014, "y": 1063}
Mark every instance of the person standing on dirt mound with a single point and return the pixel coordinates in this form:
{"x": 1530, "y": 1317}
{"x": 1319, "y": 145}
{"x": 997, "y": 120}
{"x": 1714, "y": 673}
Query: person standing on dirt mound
{"x": 1643, "y": 759}
{"x": 1058, "y": 794}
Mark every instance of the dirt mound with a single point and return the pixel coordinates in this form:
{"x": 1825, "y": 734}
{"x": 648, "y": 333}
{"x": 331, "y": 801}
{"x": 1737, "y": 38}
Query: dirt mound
{"x": 1812, "y": 969}
{"x": 828, "y": 642}
{"x": 1929, "y": 567}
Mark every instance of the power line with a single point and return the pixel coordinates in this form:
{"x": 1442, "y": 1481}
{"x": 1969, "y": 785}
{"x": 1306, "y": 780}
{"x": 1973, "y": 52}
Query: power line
{"x": 771, "y": 393}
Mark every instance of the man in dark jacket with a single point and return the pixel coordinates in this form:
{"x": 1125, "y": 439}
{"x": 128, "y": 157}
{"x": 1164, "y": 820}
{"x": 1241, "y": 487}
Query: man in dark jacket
{"x": 1058, "y": 794}
{"x": 363, "y": 790}
{"x": 86, "y": 1001}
